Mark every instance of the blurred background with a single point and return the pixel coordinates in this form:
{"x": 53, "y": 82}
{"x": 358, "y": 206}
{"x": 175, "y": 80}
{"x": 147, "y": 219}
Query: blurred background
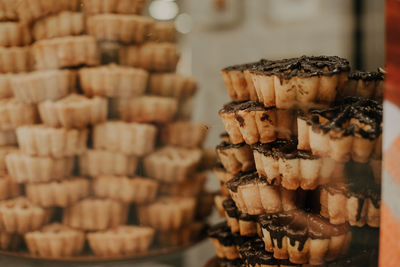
{"x": 218, "y": 33}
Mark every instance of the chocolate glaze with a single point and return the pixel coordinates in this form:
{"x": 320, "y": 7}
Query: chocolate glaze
{"x": 222, "y": 232}
{"x": 246, "y": 66}
{"x": 283, "y": 148}
{"x": 303, "y": 66}
{"x": 227, "y": 145}
{"x": 367, "y": 76}
{"x": 248, "y": 105}
{"x": 230, "y": 208}
{"x": 298, "y": 226}
{"x": 241, "y": 179}
{"x": 248, "y": 217}
{"x": 367, "y": 111}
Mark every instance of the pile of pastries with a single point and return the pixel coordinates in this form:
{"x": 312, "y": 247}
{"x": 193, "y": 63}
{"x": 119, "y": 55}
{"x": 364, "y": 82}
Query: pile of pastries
{"x": 96, "y": 142}
{"x": 300, "y": 164}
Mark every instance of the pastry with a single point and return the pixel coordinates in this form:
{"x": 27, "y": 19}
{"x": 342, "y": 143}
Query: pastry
{"x": 172, "y": 164}
{"x": 93, "y": 214}
{"x": 100, "y": 162}
{"x": 113, "y": 6}
{"x": 38, "y": 86}
{"x": 113, "y": 81}
{"x": 223, "y": 177}
{"x": 15, "y": 59}
{"x": 136, "y": 190}
{"x": 356, "y": 201}
{"x": 238, "y": 222}
{"x": 127, "y": 138}
{"x": 26, "y": 169}
{"x": 152, "y": 56}
{"x": 218, "y": 200}
{"x": 225, "y": 137}
{"x": 55, "y": 241}
{"x": 73, "y": 111}
{"x": 224, "y": 241}
{"x": 184, "y": 134}
{"x": 14, "y": 34}
{"x": 168, "y": 213}
{"x": 43, "y": 141}
{"x": 251, "y": 122}
{"x": 280, "y": 163}
{"x": 30, "y": 10}
{"x": 126, "y": 240}
{"x": 163, "y": 31}
{"x": 58, "y": 193}
{"x": 116, "y": 27}
{"x": 8, "y": 10}
{"x": 69, "y": 51}
{"x": 254, "y": 195}
{"x": 9, "y": 241}
{"x": 304, "y": 81}
{"x": 4, "y": 151}
{"x": 19, "y": 216}
{"x": 366, "y": 84}
{"x": 235, "y": 158}
{"x": 8, "y": 138}
{"x": 62, "y": 24}
{"x": 147, "y": 108}
{"x": 14, "y": 113}
{"x": 303, "y": 237}
{"x": 9, "y": 188}
{"x": 190, "y": 187}
{"x": 183, "y": 236}
{"x": 5, "y": 86}
{"x": 350, "y": 130}
{"x": 172, "y": 85}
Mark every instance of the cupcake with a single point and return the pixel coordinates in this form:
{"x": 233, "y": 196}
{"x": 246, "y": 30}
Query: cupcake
{"x": 4, "y": 151}
{"x": 58, "y": 193}
{"x": 251, "y": 122}
{"x": 184, "y": 134}
{"x": 168, "y": 213}
{"x": 113, "y": 81}
{"x": 224, "y": 241}
{"x": 19, "y": 216}
{"x": 43, "y": 141}
{"x": 172, "y": 85}
{"x": 138, "y": 190}
{"x": 218, "y": 201}
{"x": 38, "y": 86}
{"x": 14, "y": 34}
{"x": 148, "y": 109}
{"x": 26, "y": 169}
{"x": 152, "y": 56}
{"x": 126, "y": 240}
{"x": 93, "y": 214}
{"x": 163, "y": 31}
{"x": 126, "y": 29}
{"x": 172, "y": 164}
{"x": 304, "y": 237}
{"x": 65, "y": 23}
{"x": 15, "y": 59}
{"x": 55, "y": 241}
{"x": 238, "y": 222}
{"x": 235, "y": 158}
{"x": 101, "y": 162}
{"x": 223, "y": 177}
{"x": 366, "y": 84}
{"x": 73, "y": 111}
{"x": 68, "y": 51}
{"x": 15, "y": 113}
{"x": 114, "y": 6}
{"x": 127, "y": 138}
{"x": 350, "y": 130}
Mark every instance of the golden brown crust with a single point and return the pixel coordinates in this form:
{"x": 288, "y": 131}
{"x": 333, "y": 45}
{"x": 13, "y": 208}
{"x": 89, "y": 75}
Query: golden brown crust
{"x": 172, "y": 85}
{"x": 5, "y": 86}
{"x": 184, "y": 134}
{"x": 114, "y": 6}
{"x": 15, "y": 59}
{"x": 14, "y": 113}
{"x": 163, "y": 32}
{"x": 9, "y": 188}
{"x": 8, "y": 10}
{"x": 14, "y": 34}
{"x": 4, "y": 151}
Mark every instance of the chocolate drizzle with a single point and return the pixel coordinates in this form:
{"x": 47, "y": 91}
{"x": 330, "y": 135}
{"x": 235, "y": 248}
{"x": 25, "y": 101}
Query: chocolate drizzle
{"x": 241, "y": 179}
{"x": 367, "y": 76}
{"x": 223, "y": 233}
{"x": 367, "y": 112}
{"x": 299, "y": 226}
{"x": 227, "y": 145}
{"x": 248, "y": 105}
{"x": 304, "y": 66}
{"x": 233, "y": 212}
{"x": 283, "y": 148}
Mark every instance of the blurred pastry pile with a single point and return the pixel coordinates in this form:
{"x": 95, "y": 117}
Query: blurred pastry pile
{"x": 96, "y": 142}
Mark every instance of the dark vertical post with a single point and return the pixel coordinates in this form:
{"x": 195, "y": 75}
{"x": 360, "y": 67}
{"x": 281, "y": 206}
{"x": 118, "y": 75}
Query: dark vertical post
{"x": 358, "y": 34}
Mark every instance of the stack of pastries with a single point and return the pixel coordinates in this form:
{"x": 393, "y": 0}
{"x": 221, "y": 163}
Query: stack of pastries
{"x": 96, "y": 146}
{"x": 300, "y": 164}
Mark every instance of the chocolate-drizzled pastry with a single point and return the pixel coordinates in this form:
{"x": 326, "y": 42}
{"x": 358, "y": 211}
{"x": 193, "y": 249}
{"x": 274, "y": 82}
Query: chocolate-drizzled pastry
{"x": 366, "y": 84}
{"x": 300, "y": 81}
{"x": 235, "y": 157}
{"x": 223, "y": 176}
{"x": 224, "y": 137}
{"x": 251, "y": 122}
{"x": 239, "y": 222}
{"x": 253, "y": 195}
{"x": 238, "y": 81}
{"x": 356, "y": 201}
{"x": 224, "y": 241}
{"x": 303, "y": 237}
{"x": 281, "y": 163}
{"x": 351, "y": 129}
